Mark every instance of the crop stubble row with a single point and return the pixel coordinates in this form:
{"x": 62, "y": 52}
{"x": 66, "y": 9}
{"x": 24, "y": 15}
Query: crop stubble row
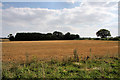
{"x": 46, "y": 50}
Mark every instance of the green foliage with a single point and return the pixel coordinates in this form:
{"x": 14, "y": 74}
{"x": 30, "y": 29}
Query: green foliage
{"x": 116, "y": 39}
{"x": 56, "y": 35}
{"x": 76, "y": 58}
{"x": 11, "y": 37}
{"x": 104, "y": 67}
{"x": 103, "y": 33}
{"x": 109, "y": 39}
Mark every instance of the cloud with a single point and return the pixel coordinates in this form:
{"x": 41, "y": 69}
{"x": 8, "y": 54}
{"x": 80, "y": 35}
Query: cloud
{"x": 1, "y": 18}
{"x": 1, "y": 4}
{"x": 73, "y": 1}
{"x": 85, "y": 19}
{"x": 101, "y": 0}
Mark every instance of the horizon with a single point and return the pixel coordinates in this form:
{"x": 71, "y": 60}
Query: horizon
{"x": 84, "y": 19}
{"x": 52, "y": 33}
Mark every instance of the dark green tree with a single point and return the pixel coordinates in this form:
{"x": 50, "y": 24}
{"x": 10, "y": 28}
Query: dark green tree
{"x": 11, "y": 37}
{"x": 67, "y": 36}
{"x": 103, "y": 33}
{"x": 40, "y": 36}
{"x": 58, "y": 35}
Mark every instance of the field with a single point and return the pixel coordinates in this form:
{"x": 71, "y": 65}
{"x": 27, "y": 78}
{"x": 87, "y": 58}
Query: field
{"x": 60, "y": 59}
{"x": 45, "y": 50}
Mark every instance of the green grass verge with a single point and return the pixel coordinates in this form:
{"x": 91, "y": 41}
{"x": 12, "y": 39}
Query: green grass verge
{"x": 105, "y": 67}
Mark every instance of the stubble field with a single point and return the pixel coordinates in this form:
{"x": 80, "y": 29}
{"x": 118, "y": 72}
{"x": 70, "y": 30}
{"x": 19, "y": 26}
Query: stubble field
{"x": 45, "y": 50}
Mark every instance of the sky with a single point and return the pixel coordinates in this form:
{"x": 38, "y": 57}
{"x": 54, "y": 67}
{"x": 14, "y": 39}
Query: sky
{"x": 83, "y": 18}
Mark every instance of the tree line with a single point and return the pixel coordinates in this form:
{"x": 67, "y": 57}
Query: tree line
{"x": 56, "y": 35}
{"x": 104, "y": 34}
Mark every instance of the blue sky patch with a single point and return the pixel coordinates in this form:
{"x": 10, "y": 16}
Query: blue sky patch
{"x": 49, "y": 5}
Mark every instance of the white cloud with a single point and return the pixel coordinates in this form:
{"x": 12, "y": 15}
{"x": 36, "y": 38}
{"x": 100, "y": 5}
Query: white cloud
{"x": 73, "y": 1}
{"x": 1, "y": 18}
{"x": 101, "y": 0}
{"x": 85, "y": 19}
{"x": 1, "y": 4}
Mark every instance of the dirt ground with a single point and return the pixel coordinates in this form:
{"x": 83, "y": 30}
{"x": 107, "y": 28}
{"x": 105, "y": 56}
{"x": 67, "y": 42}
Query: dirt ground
{"x": 19, "y": 50}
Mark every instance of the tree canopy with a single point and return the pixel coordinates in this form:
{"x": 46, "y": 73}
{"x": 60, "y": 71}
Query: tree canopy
{"x": 11, "y": 37}
{"x": 56, "y": 35}
{"x": 103, "y": 33}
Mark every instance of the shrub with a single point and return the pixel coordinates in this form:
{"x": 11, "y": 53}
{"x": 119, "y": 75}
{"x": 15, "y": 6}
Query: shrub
{"x": 116, "y": 38}
{"x": 103, "y": 39}
{"x": 96, "y": 38}
{"x": 76, "y": 58}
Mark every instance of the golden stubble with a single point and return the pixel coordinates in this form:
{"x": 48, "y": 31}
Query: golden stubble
{"x": 45, "y": 50}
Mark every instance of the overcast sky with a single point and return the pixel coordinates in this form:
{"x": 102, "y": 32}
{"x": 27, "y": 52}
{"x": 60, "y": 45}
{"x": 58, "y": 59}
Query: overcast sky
{"x": 83, "y": 18}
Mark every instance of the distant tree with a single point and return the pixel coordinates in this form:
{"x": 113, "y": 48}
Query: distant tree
{"x": 49, "y": 36}
{"x": 68, "y": 33}
{"x": 118, "y": 36}
{"x": 77, "y": 36}
{"x": 11, "y": 37}
{"x": 49, "y": 33}
{"x": 103, "y": 33}
{"x": 67, "y": 36}
{"x": 40, "y": 36}
{"x": 58, "y": 35}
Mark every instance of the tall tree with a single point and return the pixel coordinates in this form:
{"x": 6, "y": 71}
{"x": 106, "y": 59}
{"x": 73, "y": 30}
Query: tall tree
{"x": 103, "y": 33}
{"x": 58, "y": 35}
{"x": 67, "y": 36}
{"x": 11, "y": 37}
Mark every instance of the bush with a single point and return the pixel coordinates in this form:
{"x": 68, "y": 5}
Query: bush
{"x": 49, "y": 36}
{"x": 96, "y": 38}
{"x": 76, "y": 58}
{"x": 116, "y": 38}
{"x": 110, "y": 38}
